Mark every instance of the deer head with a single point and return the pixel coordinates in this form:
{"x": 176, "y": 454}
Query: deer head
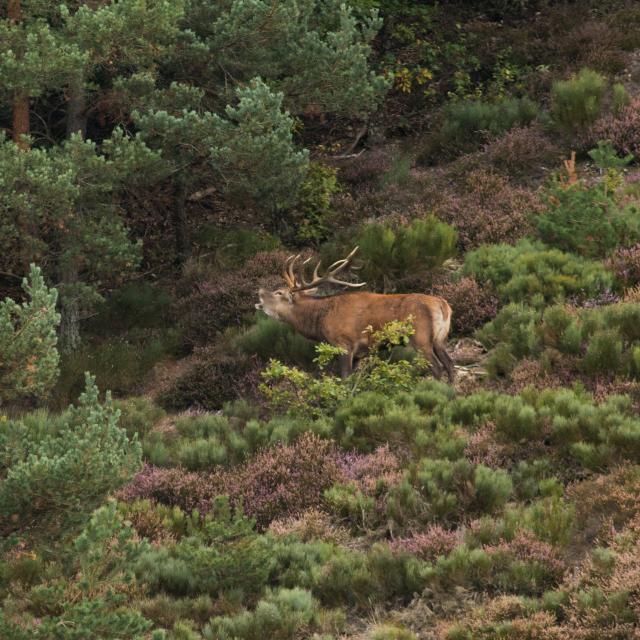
{"x": 279, "y": 303}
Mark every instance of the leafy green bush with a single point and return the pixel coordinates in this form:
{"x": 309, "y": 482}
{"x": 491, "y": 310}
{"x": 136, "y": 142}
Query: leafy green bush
{"x": 577, "y": 103}
{"x": 70, "y": 471}
{"x": 528, "y": 270}
{"x": 586, "y": 220}
{"x": 138, "y": 415}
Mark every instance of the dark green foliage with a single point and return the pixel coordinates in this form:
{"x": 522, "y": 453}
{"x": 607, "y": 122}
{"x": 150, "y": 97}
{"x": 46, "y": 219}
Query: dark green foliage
{"x": 138, "y": 415}
{"x": 587, "y": 220}
{"x": 529, "y": 270}
{"x": 120, "y": 363}
{"x": 604, "y": 353}
{"x": 235, "y": 246}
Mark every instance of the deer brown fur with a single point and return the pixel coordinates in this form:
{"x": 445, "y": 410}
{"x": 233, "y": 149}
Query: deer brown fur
{"x": 343, "y": 320}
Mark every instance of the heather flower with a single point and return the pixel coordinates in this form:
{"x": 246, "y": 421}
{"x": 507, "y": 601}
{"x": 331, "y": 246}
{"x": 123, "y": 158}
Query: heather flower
{"x": 428, "y": 545}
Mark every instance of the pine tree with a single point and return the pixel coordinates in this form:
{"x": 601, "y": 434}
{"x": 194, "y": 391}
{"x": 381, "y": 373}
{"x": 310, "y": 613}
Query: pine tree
{"x": 28, "y": 354}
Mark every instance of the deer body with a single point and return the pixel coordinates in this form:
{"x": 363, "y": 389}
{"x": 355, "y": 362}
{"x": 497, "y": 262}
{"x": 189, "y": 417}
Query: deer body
{"x": 343, "y": 320}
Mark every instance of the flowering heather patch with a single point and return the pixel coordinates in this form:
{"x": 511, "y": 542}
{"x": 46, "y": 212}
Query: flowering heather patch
{"x": 522, "y": 151}
{"x": 312, "y": 524}
{"x": 622, "y": 129}
{"x": 487, "y": 209}
{"x": 369, "y": 470}
{"x": 284, "y": 480}
{"x": 173, "y": 487}
{"x": 428, "y": 545}
{"x": 625, "y": 264}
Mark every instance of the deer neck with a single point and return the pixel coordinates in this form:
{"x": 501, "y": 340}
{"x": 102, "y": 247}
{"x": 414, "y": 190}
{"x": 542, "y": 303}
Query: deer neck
{"x": 306, "y": 316}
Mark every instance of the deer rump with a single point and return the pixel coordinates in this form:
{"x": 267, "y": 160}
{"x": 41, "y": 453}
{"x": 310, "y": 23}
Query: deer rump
{"x": 344, "y": 320}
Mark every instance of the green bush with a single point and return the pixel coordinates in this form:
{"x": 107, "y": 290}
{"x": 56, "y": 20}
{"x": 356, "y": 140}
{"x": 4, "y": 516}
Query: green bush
{"x": 528, "y": 270}
{"x": 284, "y": 613}
{"x": 577, "y": 103}
{"x": 138, "y": 415}
{"x": 587, "y": 221}
{"x": 68, "y": 472}
{"x": 469, "y": 123}
{"x": 267, "y": 338}
{"x": 391, "y": 632}
{"x": 212, "y": 380}
{"x": 29, "y": 361}
{"x": 604, "y": 354}
{"x": 391, "y": 253}
{"x": 310, "y": 220}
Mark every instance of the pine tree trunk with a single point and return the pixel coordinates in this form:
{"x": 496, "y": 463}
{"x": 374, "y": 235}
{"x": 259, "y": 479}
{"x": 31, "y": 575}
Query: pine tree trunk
{"x": 20, "y": 124}
{"x": 70, "y": 310}
{"x": 180, "y": 220}
{"x": 76, "y": 110}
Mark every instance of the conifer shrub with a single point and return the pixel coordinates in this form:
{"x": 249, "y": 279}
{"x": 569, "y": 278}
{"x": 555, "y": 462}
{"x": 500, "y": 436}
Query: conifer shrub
{"x": 284, "y": 613}
{"x": 440, "y": 490}
{"x": 472, "y": 305}
{"x": 138, "y": 415}
{"x": 68, "y": 472}
{"x": 586, "y": 220}
{"x": 467, "y": 124}
{"x": 391, "y": 632}
{"x": 530, "y": 269}
{"x": 268, "y": 338}
{"x": 417, "y": 248}
{"x": 236, "y": 246}
{"x": 604, "y": 353}
{"x": 30, "y": 359}
{"x": 578, "y": 102}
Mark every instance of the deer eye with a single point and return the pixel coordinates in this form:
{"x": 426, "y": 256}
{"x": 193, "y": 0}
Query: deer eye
{"x": 278, "y": 293}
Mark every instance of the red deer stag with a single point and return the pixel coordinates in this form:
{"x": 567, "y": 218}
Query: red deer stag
{"x": 343, "y": 319}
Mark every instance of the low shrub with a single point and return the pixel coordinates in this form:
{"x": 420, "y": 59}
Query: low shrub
{"x": 284, "y": 613}
{"x": 390, "y": 253}
{"x": 70, "y": 471}
{"x": 268, "y": 338}
{"x": 213, "y": 379}
{"x": 621, "y": 128}
{"x": 467, "y": 124}
{"x": 522, "y": 151}
{"x": 213, "y": 305}
{"x": 486, "y": 208}
{"x": 234, "y": 247}
{"x": 138, "y": 415}
{"x": 429, "y": 545}
{"x": 531, "y": 269}
{"x": 284, "y": 480}
{"x": 472, "y": 305}
{"x": 624, "y": 263}
{"x": 577, "y": 103}
{"x": 586, "y": 220}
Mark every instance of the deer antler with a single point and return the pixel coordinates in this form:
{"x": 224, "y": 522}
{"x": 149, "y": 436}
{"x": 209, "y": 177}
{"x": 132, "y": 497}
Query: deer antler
{"x": 329, "y": 277}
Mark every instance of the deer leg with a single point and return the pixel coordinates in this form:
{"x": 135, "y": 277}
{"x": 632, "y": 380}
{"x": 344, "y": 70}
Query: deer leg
{"x": 445, "y": 359}
{"x": 346, "y": 364}
{"x": 424, "y": 346}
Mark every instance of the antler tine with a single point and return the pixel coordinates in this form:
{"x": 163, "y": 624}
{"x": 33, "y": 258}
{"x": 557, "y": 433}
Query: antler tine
{"x": 332, "y": 271}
